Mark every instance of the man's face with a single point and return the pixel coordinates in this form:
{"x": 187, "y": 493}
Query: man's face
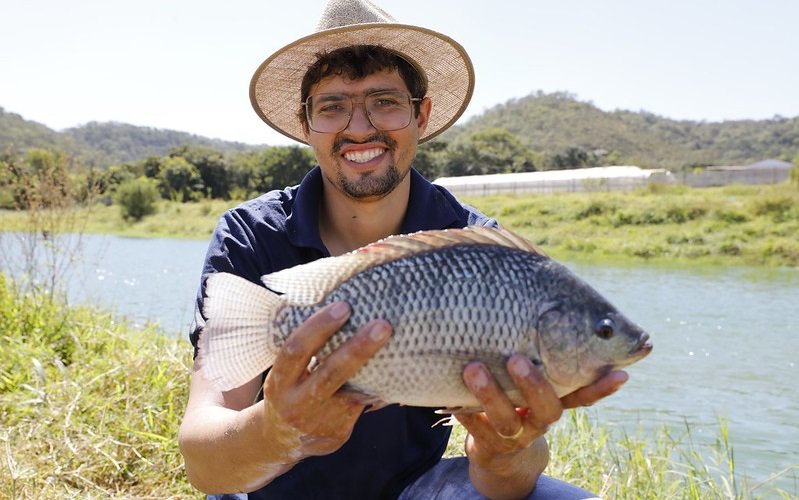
{"x": 360, "y": 161}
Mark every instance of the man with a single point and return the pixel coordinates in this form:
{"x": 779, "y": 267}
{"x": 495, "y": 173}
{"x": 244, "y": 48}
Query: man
{"x": 362, "y": 92}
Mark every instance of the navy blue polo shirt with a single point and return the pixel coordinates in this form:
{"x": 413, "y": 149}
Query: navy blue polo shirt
{"x": 391, "y": 447}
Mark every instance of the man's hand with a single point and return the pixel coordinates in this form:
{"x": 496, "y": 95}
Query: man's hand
{"x": 231, "y": 443}
{"x": 308, "y": 403}
{"x": 505, "y": 445}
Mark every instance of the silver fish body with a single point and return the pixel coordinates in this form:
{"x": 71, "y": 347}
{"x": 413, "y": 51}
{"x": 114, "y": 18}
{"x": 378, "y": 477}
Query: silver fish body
{"x": 452, "y": 297}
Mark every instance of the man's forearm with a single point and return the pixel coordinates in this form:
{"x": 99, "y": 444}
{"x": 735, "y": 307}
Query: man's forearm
{"x": 511, "y": 477}
{"x": 225, "y": 451}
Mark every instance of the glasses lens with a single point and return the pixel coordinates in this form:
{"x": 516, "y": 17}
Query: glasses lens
{"x": 330, "y": 113}
{"x": 389, "y": 110}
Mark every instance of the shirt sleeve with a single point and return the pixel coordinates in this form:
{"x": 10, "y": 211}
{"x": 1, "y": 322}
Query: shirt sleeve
{"x": 232, "y": 249}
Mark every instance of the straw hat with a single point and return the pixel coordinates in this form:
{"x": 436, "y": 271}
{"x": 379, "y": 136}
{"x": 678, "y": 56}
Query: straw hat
{"x": 275, "y": 86}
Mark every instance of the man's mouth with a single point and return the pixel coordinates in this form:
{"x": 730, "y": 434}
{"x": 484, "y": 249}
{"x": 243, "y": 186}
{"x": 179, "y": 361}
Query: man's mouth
{"x": 363, "y": 156}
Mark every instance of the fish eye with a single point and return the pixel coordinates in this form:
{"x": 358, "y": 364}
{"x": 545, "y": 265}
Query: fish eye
{"x": 604, "y": 328}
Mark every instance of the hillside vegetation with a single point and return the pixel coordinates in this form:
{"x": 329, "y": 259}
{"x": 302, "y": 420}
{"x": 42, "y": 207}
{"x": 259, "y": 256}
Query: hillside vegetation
{"x": 558, "y": 123}
{"x": 102, "y": 144}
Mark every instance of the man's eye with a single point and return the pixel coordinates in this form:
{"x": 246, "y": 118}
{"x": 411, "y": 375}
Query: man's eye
{"x": 386, "y": 102}
{"x": 331, "y": 108}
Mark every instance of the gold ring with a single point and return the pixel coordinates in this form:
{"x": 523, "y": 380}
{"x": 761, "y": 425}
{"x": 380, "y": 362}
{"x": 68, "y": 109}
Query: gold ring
{"x": 516, "y": 435}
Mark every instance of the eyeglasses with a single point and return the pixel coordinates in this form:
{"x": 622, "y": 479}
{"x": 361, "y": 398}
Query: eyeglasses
{"x": 386, "y": 109}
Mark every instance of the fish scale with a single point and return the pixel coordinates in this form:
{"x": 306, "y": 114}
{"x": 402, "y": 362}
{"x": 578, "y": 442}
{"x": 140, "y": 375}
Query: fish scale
{"x": 451, "y": 296}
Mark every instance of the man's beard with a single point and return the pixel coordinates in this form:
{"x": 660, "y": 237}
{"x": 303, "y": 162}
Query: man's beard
{"x": 370, "y": 184}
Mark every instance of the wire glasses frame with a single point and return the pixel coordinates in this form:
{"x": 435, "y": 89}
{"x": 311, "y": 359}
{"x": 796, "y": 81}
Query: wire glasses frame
{"x": 386, "y": 110}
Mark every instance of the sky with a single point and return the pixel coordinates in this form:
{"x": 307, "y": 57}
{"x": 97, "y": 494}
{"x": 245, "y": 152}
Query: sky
{"x": 186, "y": 64}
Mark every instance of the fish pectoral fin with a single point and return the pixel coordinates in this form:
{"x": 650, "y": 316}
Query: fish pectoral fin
{"x": 449, "y": 421}
{"x": 459, "y": 410}
{"x": 358, "y": 396}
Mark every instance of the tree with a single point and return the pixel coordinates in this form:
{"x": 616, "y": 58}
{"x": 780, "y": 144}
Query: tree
{"x": 179, "y": 180}
{"x": 489, "y": 151}
{"x": 279, "y": 166}
{"x": 431, "y": 158}
{"x": 137, "y": 198}
{"x": 212, "y": 166}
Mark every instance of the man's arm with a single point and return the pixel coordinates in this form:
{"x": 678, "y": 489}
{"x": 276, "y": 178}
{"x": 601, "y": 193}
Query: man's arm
{"x": 231, "y": 445}
{"x": 506, "y": 447}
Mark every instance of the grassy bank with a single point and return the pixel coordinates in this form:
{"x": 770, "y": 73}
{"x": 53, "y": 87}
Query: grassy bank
{"x": 87, "y": 409}
{"x": 91, "y": 408}
{"x": 734, "y": 225}
{"x": 751, "y": 225}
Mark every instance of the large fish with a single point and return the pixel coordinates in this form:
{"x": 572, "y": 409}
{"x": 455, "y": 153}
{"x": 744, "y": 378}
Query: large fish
{"x": 452, "y": 296}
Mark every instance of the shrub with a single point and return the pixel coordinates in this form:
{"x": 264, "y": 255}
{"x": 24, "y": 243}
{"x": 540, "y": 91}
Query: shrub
{"x": 137, "y": 198}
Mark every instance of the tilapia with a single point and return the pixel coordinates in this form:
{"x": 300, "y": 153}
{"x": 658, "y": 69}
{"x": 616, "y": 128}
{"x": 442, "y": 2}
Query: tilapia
{"x": 452, "y": 296}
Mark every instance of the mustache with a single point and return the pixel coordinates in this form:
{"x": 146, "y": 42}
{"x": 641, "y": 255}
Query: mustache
{"x": 379, "y": 137}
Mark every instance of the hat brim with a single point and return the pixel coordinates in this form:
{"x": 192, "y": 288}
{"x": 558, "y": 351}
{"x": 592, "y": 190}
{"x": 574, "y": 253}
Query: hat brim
{"x": 275, "y": 86}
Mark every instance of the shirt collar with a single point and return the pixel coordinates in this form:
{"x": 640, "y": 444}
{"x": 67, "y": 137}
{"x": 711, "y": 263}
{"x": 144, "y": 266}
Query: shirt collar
{"x": 302, "y": 224}
{"x": 427, "y": 209}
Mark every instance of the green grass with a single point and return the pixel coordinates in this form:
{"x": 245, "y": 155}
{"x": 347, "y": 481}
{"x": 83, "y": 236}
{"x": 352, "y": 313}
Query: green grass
{"x": 616, "y": 465}
{"x": 742, "y": 225}
{"x": 90, "y": 408}
{"x": 172, "y": 220}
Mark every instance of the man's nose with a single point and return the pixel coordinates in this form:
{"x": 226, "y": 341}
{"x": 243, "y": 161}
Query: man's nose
{"x": 359, "y": 121}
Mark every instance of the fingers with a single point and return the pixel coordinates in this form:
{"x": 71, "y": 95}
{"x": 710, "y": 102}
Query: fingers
{"x": 590, "y": 394}
{"x": 306, "y": 341}
{"x": 538, "y": 394}
{"x": 346, "y": 360}
{"x": 498, "y": 408}
{"x": 503, "y": 427}
{"x": 289, "y": 383}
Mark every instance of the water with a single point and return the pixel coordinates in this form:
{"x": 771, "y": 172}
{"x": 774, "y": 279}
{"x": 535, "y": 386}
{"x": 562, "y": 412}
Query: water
{"x": 726, "y": 339}
{"x": 726, "y": 344}
{"x": 144, "y": 280}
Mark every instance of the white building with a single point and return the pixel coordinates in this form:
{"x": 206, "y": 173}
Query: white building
{"x": 617, "y": 178}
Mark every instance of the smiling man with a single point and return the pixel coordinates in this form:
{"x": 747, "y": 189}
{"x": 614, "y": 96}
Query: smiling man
{"x": 363, "y": 92}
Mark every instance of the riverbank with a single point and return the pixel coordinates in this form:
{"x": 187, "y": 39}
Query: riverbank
{"x": 91, "y": 407}
{"x": 732, "y": 225}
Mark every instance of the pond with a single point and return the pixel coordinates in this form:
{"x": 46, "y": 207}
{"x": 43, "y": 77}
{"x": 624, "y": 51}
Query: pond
{"x": 726, "y": 339}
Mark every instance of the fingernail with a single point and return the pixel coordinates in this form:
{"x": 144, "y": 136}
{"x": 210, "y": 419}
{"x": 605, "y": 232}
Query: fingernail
{"x": 478, "y": 379}
{"x": 339, "y": 310}
{"x": 379, "y": 332}
{"x": 520, "y": 366}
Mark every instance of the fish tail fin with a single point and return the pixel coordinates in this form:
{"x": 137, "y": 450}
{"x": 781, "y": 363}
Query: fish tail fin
{"x": 236, "y": 344}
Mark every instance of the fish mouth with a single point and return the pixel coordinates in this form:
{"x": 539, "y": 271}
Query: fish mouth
{"x": 643, "y": 348}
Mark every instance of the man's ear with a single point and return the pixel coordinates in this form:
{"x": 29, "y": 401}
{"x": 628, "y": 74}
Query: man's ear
{"x": 424, "y": 115}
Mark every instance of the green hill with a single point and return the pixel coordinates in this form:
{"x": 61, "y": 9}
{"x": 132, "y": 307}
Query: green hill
{"x": 104, "y": 144}
{"x": 554, "y": 123}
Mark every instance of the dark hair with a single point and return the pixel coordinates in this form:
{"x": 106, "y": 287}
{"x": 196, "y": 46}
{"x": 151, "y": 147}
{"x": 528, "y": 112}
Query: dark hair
{"x": 357, "y": 62}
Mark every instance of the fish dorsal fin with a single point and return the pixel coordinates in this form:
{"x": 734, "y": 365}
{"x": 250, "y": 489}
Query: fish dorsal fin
{"x": 308, "y": 284}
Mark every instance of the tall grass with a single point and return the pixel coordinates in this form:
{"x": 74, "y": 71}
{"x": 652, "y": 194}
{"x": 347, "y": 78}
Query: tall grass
{"x": 615, "y": 464}
{"x": 88, "y": 407}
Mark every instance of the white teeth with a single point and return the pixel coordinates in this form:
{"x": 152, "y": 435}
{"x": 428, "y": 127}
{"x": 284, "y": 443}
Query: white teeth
{"x": 363, "y": 156}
